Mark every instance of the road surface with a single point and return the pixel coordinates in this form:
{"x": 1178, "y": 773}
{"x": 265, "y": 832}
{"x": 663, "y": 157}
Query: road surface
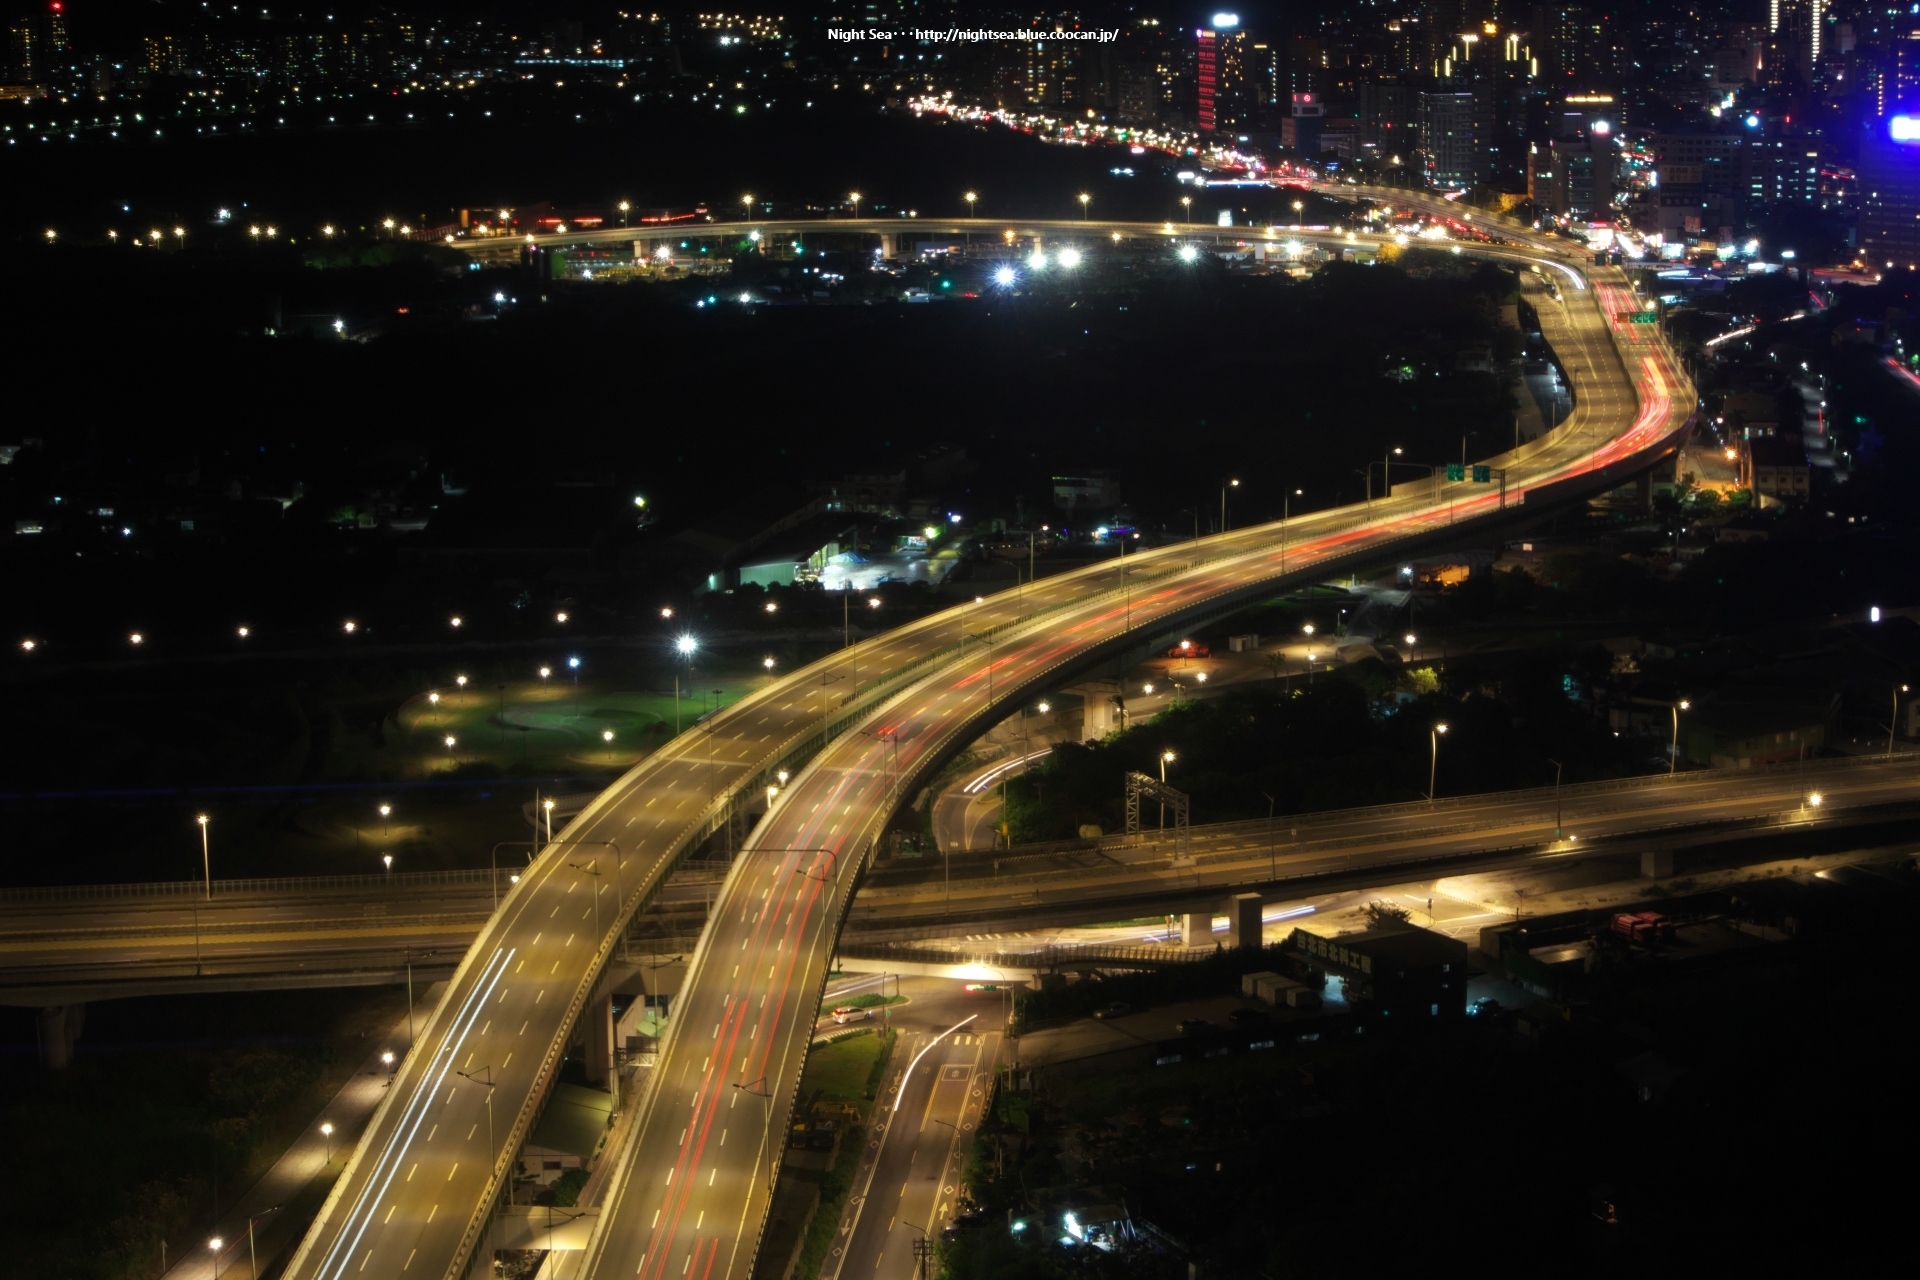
{"x": 691, "y": 1186}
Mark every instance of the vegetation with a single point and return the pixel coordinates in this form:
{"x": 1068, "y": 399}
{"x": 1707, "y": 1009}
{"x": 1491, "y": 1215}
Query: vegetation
{"x": 171, "y": 1107}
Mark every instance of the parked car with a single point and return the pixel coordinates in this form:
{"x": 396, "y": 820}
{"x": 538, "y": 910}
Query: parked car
{"x": 847, "y": 1013}
{"x": 1194, "y": 1026}
{"x": 1117, "y": 1009}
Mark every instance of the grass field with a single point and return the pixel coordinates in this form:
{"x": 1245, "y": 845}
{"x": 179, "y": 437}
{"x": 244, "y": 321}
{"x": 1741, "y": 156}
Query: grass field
{"x": 544, "y": 726}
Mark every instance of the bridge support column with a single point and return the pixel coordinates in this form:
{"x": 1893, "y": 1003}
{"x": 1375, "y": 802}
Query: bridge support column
{"x": 60, "y": 1026}
{"x": 1656, "y": 864}
{"x": 1196, "y": 928}
{"x": 1243, "y": 921}
{"x": 598, "y": 1035}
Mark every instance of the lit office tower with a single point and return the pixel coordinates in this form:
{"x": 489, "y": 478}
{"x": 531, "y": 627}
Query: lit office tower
{"x": 1890, "y": 195}
{"x": 1207, "y": 78}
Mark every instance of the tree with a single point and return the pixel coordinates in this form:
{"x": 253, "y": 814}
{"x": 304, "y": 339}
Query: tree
{"x": 1381, "y": 914}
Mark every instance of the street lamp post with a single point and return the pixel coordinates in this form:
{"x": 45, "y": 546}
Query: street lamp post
{"x": 970, "y": 198}
{"x": 1673, "y": 757}
{"x": 1230, "y": 484}
{"x": 746, "y": 206}
{"x": 1084, "y": 200}
{"x": 1298, "y": 214}
{"x": 215, "y": 1245}
{"x": 1286, "y": 510}
{"x": 206, "y": 859}
{"x": 854, "y": 199}
{"x": 253, "y": 1259}
{"x": 1166, "y": 757}
{"x": 326, "y": 1131}
{"x": 1556, "y": 796}
{"x": 1433, "y": 764}
{"x": 1186, "y": 203}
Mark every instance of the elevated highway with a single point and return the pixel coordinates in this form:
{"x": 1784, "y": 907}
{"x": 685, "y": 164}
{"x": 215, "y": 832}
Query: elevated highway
{"x": 688, "y": 1193}
{"x": 76, "y": 944}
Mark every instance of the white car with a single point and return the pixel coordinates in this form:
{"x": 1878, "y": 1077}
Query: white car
{"x": 847, "y": 1013}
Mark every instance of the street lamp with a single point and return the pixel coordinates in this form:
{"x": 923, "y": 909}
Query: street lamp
{"x": 1433, "y": 764}
{"x": 216, "y": 1244}
{"x": 1230, "y": 484}
{"x": 746, "y": 202}
{"x": 1186, "y": 203}
{"x": 386, "y": 811}
{"x": 854, "y": 198}
{"x": 386, "y": 860}
{"x": 1673, "y": 758}
{"x": 1297, "y": 214}
{"x": 970, "y": 198}
{"x": 206, "y": 860}
{"x": 326, "y": 1131}
{"x": 1085, "y": 199}
{"x": 624, "y": 207}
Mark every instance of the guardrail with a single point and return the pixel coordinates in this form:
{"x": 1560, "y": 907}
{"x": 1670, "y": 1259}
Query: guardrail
{"x": 1041, "y": 958}
{"x": 388, "y": 882}
{"x": 1570, "y": 793}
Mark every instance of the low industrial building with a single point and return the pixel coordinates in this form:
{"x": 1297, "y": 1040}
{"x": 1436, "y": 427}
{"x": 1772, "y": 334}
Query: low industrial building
{"x": 1401, "y": 971}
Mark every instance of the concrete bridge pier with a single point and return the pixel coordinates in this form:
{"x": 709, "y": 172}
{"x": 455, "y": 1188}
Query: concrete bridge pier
{"x": 1244, "y": 928}
{"x": 1196, "y": 929}
{"x": 60, "y": 1026}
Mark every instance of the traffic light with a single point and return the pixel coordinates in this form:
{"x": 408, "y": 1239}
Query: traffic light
{"x": 1456, "y": 471}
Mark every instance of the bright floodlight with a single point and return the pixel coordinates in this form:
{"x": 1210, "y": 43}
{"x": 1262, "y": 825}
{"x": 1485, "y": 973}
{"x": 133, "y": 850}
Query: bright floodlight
{"x": 686, "y": 645}
{"x": 1069, "y": 258}
{"x": 1005, "y": 277}
{"x": 1188, "y": 253}
{"x": 606, "y": 735}
{"x": 1044, "y": 708}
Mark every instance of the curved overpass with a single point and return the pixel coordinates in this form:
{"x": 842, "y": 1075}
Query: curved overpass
{"x": 687, "y": 1192}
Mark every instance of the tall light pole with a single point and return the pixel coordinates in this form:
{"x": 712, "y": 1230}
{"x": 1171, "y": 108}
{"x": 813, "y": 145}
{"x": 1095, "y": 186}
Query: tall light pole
{"x": 216, "y": 1244}
{"x": 1230, "y": 484}
{"x": 746, "y": 206}
{"x": 853, "y": 197}
{"x": 1673, "y": 758}
{"x": 206, "y": 859}
{"x": 624, "y": 208}
{"x": 1186, "y": 203}
{"x": 971, "y": 197}
{"x": 1084, "y": 200}
{"x": 1433, "y": 764}
{"x": 1286, "y": 513}
{"x": 1895, "y": 722}
{"x": 326, "y": 1131}
{"x": 1166, "y": 757}
{"x": 1298, "y": 214}
{"x": 253, "y": 1259}
{"x": 1556, "y": 796}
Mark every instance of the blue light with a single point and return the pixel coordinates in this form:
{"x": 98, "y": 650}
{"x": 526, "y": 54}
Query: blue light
{"x": 1904, "y": 129}
{"x": 1753, "y": 122}
{"x": 574, "y": 663}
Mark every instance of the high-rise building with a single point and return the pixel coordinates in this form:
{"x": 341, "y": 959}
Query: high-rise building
{"x": 1225, "y": 94}
{"x": 1889, "y": 172}
{"x": 1388, "y": 116}
{"x": 1207, "y": 79}
{"x": 1447, "y": 147}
